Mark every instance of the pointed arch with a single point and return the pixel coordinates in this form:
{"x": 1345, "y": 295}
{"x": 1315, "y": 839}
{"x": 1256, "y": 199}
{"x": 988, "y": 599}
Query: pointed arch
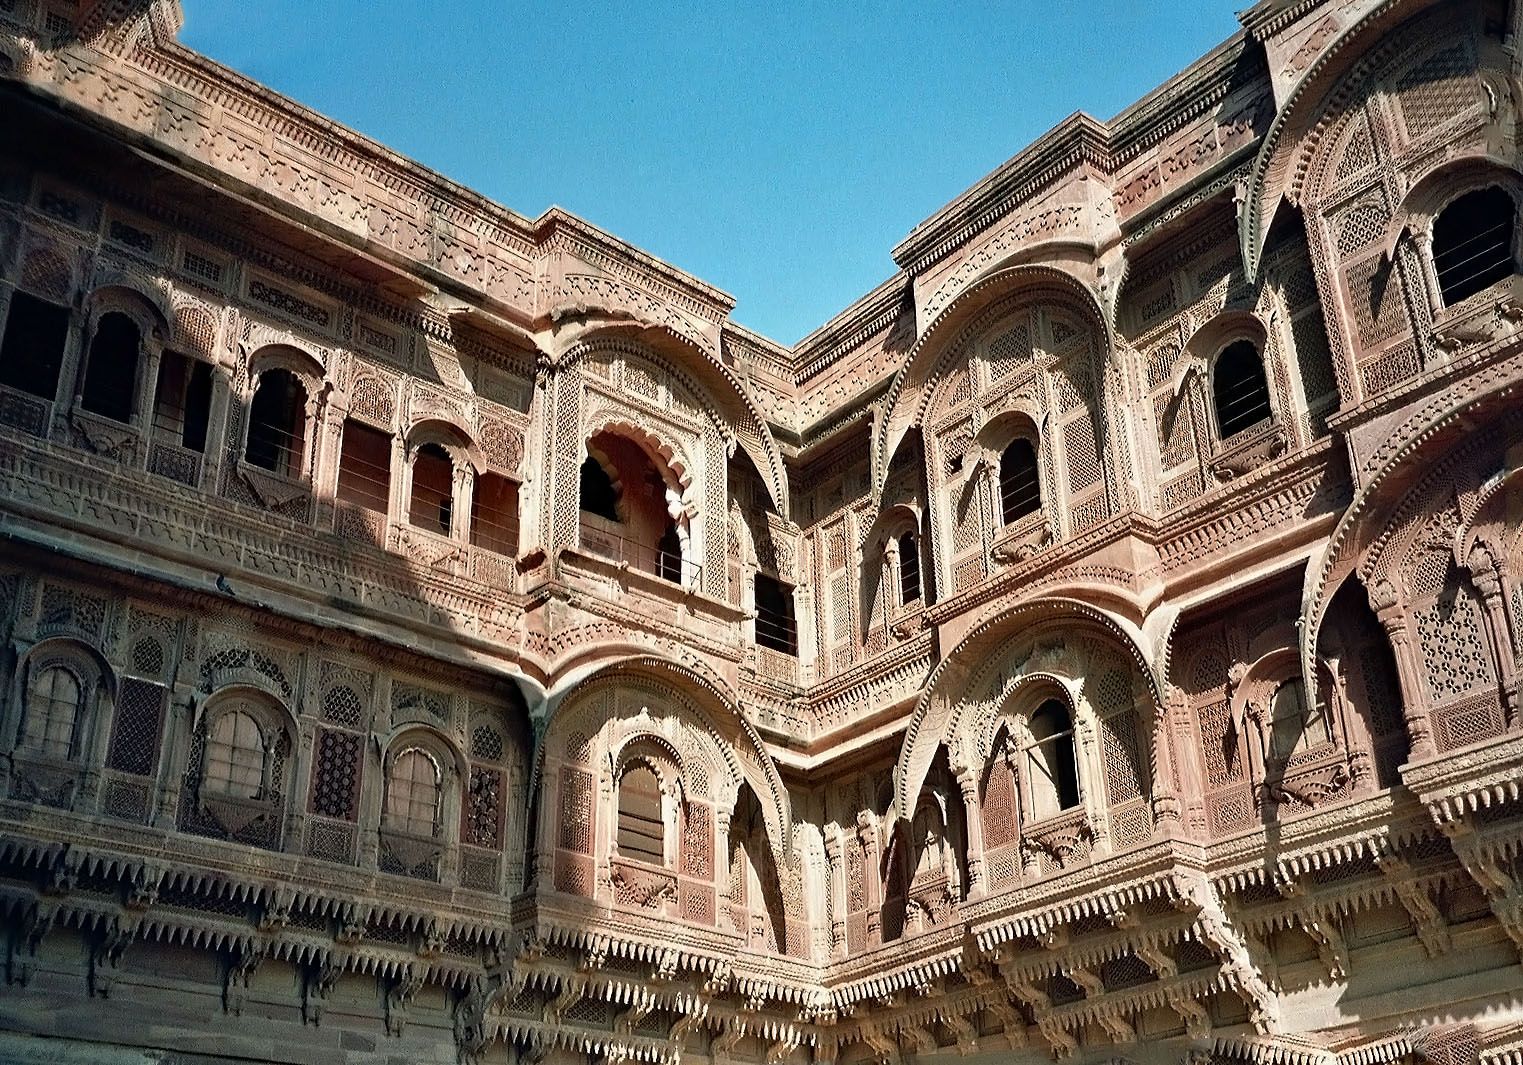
{"x": 913, "y": 387}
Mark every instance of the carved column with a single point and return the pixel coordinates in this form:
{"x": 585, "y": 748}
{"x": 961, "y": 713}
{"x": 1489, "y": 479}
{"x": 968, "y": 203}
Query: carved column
{"x": 967, "y": 783}
{"x": 327, "y": 447}
{"x": 1391, "y": 614}
{"x": 463, "y": 486}
{"x": 1484, "y": 574}
{"x": 836, "y": 886}
{"x": 1161, "y": 768}
{"x": 867, "y": 839}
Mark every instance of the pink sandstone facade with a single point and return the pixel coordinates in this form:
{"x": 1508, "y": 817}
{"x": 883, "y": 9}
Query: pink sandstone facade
{"x": 432, "y": 634}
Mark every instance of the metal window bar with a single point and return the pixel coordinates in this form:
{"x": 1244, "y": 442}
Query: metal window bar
{"x": 776, "y": 630}
{"x": 667, "y": 565}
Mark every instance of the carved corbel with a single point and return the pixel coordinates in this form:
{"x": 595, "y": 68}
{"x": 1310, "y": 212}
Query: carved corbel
{"x": 1063, "y": 1044}
{"x": 398, "y": 998}
{"x": 1157, "y": 959}
{"x": 967, "y": 1035}
{"x": 1087, "y": 982}
{"x": 1117, "y": 1027}
{"x": 1429, "y": 924}
{"x": 470, "y": 1020}
{"x": 570, "y": 994}
{"x": 726, "y": 1041}
{"x": 277, "y": 910}
{"x": 27, "y": 940}
{"x": 106, "y": 955}
{"x": 1010, "y": 1021}
{"x": 885, "y": 1050}
{"x": 240, "y": 970}
{"x": 1197, "y": 1020}
{"x": 782, "y": 1047}
{"x": 917, "y": 1039}
{"x": 642, "y": 1002}
{"x": 1330, "y": 945}
{"x": 1487, "y": 869}
{"x": 321, "y": 979}
{"x": 1214, "y": 929}
{"x": 687, "y": 1022}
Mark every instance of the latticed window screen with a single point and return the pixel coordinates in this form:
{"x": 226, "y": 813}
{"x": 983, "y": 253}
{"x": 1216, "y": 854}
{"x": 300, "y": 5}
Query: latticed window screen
{"x": 135, "y": 735}
{"x": 54, "y": 705}
{"x": 483, "y": 808}
{"x": 336, "y": 774}
{"x": 234, "y": 756}
{"x": 576, "y": 810}
{"x": 412, "y": 793}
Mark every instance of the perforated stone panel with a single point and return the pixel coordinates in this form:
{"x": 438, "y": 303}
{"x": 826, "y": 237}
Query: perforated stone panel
{"x": 139, "y": 721}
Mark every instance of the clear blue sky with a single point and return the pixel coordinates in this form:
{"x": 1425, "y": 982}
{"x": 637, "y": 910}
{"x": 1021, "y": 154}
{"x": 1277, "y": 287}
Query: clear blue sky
{"x": 776, "y": 150}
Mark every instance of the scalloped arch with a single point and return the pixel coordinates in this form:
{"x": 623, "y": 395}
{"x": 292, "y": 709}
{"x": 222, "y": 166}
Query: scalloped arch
{"x": 714, "y": 704}
{"x": 1309, "y": 111}
{"x": 938, "y": 711}
{"x": 915, "y": 383}
{"x": 747, "y": 425}
{"x": 662, "y": 452}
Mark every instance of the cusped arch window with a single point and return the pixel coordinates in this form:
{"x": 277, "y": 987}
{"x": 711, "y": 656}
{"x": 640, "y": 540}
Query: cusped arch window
{"x": 110, "y": 372}
{"x": 1052, "y": 761}
{"x": 1020, "y": 487}
{"x": 432, "y": 506}
{"x": 1474, "y": 243}
{"x": 1239, "y": 389}
{"x": 53, "y": 714}
{"x": 1295, "y": 724}
{"x": 641, "y": 830}
{"x": 909, "y": 569}
{"x": 277, "y": 424}
{"x": 236, "y": 757}
{"x": 414, "y": 793}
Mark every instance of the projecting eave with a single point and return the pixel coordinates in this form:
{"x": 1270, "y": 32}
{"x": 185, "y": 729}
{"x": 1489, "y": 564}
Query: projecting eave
{"x": 841, "y": 335}
{"x": 1078, "y": 140}
{"x": 559, "y": 222}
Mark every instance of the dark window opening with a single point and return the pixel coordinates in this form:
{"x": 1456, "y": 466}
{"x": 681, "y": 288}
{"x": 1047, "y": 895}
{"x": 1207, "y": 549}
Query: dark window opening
{"x": 433, "y": 489}
{"x": 775, "y": 626}
{"x": 641, "y": 829}
{"x": 183, "y": 401}
{"x": 1054, "y": 767}
{"x": 111, "y": 369}
{"x": 669, "y": 555}
{"x": 277, "y": 424}
{"x": 1472, "y": 243}
{"x": 364, "y": 467}
{"x": 32, "y": 351}
{"x": 598, "y": 493}
{"x": 909, "y": 569}
{"x": 1020, "y": 489}
{"x": 494, "y": 514}
{"x": 1239, "y": 389}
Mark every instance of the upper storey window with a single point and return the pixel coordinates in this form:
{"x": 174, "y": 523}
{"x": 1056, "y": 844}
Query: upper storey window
{"x": 642, "y": 828}
{"x": 183, "y": 401}
{"x": 1295, "y": 726}
{"x": 909, "y": 569}
{"x": 599, "y": 496}
{"x": 32, "y": 351}
{"x": 433, "y": 487}
{"x": 277, "y": 424}
{"x": 111, "y": 369}
{"x": 775, "y": 626}
{"x": 364, "y": 467}
{"x": 54, "y": 706}
{"x": 235, "y": 756}
{"x": 1473, "y": 243}
{"x": 1054, "y": 765}
{"x": 1239, "y": 389}
{"x": 1020, "y": 489}
{"x": 413, "y": 794}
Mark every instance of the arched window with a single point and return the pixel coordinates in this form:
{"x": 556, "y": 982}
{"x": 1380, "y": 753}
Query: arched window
{"x": 669, "y": 555}
{"x": 31, "y": 352}
{"x": 54, "y": 707}
{"x": 1020, "y": 490}
{"x": 277, "y": 424}
{"x": 642, "y": 828}
{"x": 1238, "y": 388}
{"x": 909, "y": 569}
{"x": 1294, "y": 726}
{"x": 598, "y": 493}
{"x": 1473, "y": 243}
{"x": 413, "y": 794}
{"x": 433, "y": 489}
{"x": 111, "y": 370}
{"x": 1054, "y": 768}
{"x": 235, "y": 753}
{"x": 928, "y": 833}
{"x": 183, "y": 401}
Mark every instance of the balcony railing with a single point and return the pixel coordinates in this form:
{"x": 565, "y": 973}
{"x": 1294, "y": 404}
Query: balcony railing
{"x": 664, "y": 565}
